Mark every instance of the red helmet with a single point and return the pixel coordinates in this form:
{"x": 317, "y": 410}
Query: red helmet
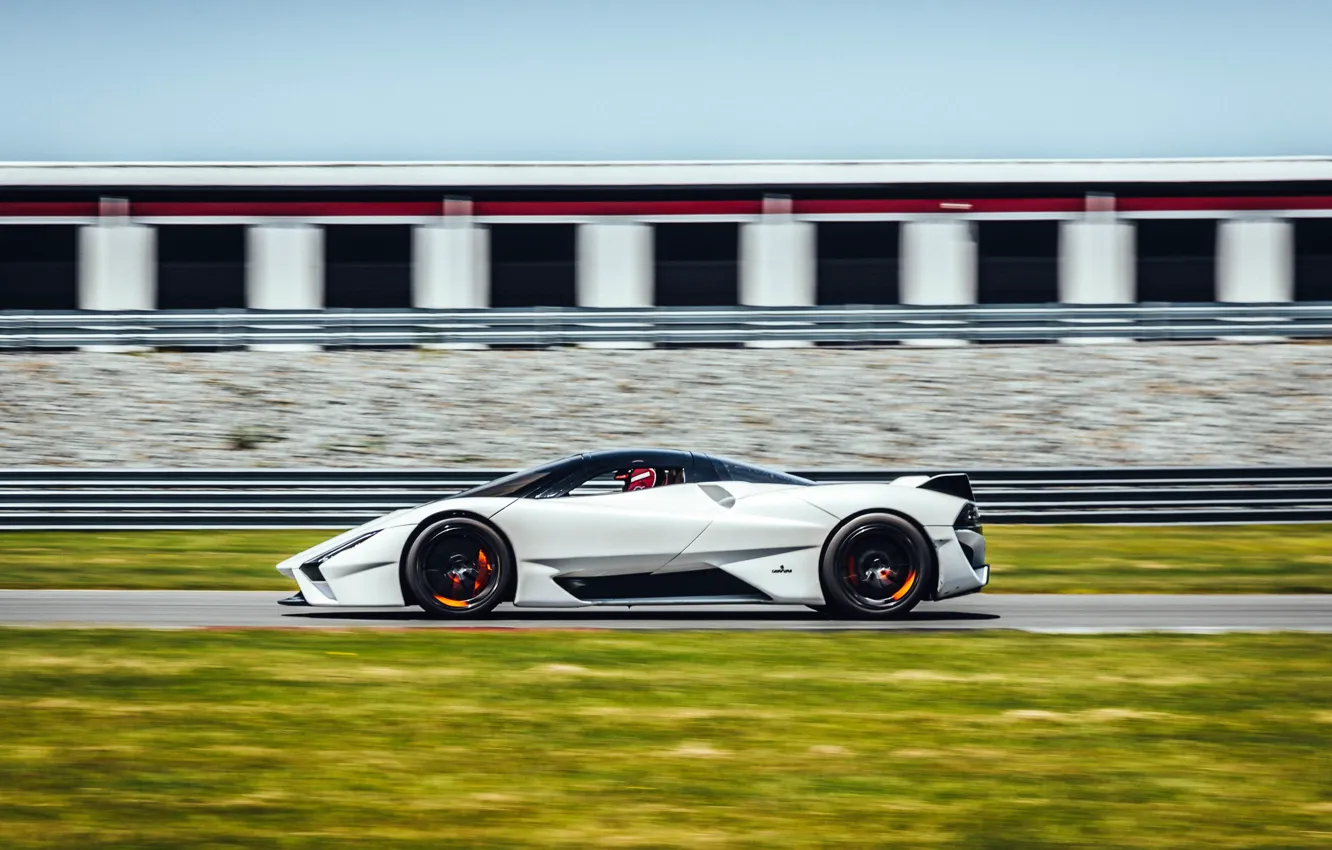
{"x": 640, "y": 478}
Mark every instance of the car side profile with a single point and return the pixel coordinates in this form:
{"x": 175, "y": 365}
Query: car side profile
{"x": 658, "y": 527}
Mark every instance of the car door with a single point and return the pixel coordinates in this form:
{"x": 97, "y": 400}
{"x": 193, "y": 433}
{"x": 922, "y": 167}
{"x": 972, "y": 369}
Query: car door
{"x": 607, "y": 533}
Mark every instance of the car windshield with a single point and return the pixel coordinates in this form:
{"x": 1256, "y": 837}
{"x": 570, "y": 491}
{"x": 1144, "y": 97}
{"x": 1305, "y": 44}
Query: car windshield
{"x": 516, "y": 482}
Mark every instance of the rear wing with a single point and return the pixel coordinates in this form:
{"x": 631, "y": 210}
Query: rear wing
{"x": 949, "y": 483}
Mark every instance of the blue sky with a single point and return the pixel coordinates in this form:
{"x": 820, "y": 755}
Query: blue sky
{"x": 680, "y": 79}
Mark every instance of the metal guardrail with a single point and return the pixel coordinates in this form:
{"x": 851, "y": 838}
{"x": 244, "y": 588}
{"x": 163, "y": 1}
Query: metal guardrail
{"x": 659, "y": 325}
{"x": 330, "y": 498}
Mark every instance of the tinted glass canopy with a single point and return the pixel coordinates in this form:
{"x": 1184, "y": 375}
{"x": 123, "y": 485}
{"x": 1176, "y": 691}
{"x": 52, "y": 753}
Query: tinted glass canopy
{"x": 557, "y": 478}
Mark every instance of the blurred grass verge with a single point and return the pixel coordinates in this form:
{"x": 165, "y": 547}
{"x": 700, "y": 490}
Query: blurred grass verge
{"x": 1026, "y": 559}
{"x": 572, "y": 740}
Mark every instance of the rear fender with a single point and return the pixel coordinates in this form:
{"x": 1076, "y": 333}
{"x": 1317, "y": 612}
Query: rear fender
{"x": 924, "y": 507}
{"x": 932, "y": 544}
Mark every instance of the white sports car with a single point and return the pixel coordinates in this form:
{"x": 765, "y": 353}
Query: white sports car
{"x": 659, "y": 527}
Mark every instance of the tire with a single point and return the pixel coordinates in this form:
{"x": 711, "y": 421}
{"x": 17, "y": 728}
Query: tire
{"x": 448, "y": 580}
{"x": 877, "y": 566}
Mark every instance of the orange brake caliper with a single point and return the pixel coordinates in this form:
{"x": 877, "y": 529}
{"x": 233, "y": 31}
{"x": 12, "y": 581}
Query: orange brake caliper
{"x": 482, "y": 573}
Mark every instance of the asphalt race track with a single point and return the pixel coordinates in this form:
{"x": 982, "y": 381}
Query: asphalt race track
{"x": 163, "y": 609}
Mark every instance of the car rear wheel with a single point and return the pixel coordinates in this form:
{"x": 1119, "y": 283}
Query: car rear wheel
{"x": 459, "y": 567}
{"x": 876, "y": 566}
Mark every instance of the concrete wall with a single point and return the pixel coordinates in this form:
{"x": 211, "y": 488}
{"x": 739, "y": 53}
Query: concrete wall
{"x": 979, "y": 406}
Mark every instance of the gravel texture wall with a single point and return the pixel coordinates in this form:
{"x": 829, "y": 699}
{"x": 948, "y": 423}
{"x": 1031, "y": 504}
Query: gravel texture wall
{"x": 969, "y": 407}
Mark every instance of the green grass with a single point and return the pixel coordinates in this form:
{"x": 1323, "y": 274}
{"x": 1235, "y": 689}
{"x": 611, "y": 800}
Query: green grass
{"x": 150, "y": 560}
{"x": 1027, "y": 559}
{"x": 1161, "y": 559}
{"x": 572, "y": 740}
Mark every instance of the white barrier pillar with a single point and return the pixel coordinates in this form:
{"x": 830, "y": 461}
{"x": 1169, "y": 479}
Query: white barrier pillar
{"x": 284, "y": 270}
{"x": 777, "y": 262}
{"x": 451, "y": 264}
{"x": 1255, "y": 261}
{"x": 450, "y": 268}
{"x": 615, "y": 269}
{"x": 1097, "y": 263}
{"x": 938, "y": 267}
{"x": 615, "y": 264}
{"x": 117, "y": 267}
{"x": 938, "y": 263}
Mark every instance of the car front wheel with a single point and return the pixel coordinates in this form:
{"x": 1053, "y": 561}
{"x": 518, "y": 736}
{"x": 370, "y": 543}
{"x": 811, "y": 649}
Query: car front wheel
{"x": 459, "y": 567}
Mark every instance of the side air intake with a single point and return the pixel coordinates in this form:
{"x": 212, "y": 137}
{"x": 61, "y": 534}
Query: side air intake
{"x": 708, "y": 583}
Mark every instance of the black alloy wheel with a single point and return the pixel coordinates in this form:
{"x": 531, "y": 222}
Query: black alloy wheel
{"x": 876, "y": 566}
{"x": 459, "y": 567}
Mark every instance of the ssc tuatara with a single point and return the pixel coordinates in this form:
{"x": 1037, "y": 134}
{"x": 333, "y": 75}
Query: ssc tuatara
{"x": 659, "y": 527}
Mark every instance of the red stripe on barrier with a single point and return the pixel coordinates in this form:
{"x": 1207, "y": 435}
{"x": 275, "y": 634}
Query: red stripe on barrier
{"x": 565, "y": 208}
{"x": 913, "y": 206}
{"x": 1234, "y": 203}
{"x": 48, "y": 208}
{"x": 277, "y": 209}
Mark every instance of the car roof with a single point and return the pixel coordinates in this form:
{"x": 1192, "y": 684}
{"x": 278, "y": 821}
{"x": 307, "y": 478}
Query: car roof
{"x": 640, "y": 457}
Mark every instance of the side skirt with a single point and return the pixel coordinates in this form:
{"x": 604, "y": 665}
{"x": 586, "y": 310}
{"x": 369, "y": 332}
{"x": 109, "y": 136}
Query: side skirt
{"x": 694, "y": 587}
{"x": 755, "y": 599}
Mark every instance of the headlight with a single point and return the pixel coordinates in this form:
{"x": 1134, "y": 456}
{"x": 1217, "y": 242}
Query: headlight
{"x": 311, "y": 566}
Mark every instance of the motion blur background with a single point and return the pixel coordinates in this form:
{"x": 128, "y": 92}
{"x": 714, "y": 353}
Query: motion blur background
{"x": 1042, "y": 100}
{"x": 1058, "y": 245}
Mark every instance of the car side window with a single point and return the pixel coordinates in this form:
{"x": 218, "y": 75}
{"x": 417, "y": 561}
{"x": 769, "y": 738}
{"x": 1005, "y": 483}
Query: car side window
{"x": 598, "y": 485}
{"x": 628, "y": 480}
